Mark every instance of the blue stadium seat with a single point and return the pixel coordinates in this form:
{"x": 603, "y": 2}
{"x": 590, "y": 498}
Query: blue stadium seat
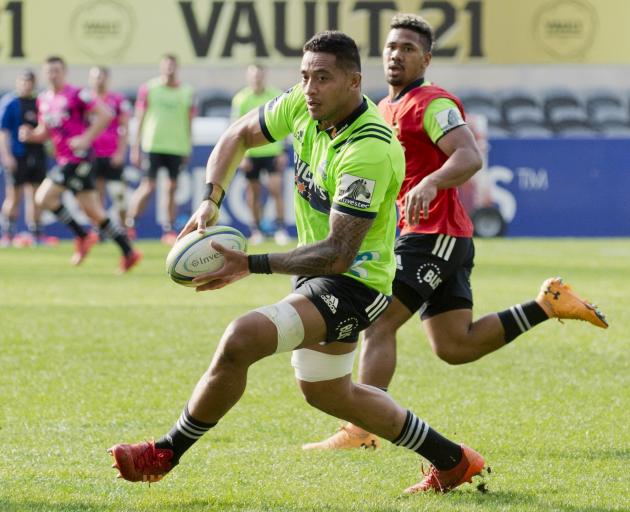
{"x": 376, "y": 95}
{"x": 521, "y": 108}
{"x": 214, "y": 103}
{"x": 482, "y": 103}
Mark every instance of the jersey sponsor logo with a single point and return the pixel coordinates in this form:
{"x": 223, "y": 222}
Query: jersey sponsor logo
{"x": 449, "y": 119}
{"x": 346, "y": 328}
{"x": 357, "y": 268}
{"x": 331, "y": 301}
{"x": 356, "y": 191}
{"x": 307, "y": 187}
{"x": 429, "y": 273}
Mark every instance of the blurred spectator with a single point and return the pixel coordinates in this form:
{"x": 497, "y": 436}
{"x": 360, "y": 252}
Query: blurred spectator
{"x": 164, "y": 109}
{"x": 270, "y": 158}
{"x": 24, "y": 164}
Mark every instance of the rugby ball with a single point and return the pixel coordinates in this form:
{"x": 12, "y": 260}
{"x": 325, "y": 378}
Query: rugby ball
{"x": 193, "y": 255}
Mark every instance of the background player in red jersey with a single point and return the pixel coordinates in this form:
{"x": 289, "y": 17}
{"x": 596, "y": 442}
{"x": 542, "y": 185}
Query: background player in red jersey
{"x": 435, "y": 251}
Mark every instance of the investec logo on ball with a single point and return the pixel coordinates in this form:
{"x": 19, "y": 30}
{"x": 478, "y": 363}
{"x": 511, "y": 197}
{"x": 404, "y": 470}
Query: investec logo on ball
{"x": 103, "y": 28}
{"x": 196, "y": 262}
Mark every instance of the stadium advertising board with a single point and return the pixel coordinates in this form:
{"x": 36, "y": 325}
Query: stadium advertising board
{"x": 229, "y": 32}
{"x": 542, "y": 187}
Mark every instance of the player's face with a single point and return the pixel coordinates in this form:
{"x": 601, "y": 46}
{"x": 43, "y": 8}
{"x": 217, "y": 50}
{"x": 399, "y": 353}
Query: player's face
{"x": 24, "y": 86}
{"x": 55, "y": 73}
{"x": 330, "y": 91}
{"x": 97, "y": 79}
{"x": 404, "y": 57}
{"x": 256, "y": 78}
{"x": 168, "y": 67}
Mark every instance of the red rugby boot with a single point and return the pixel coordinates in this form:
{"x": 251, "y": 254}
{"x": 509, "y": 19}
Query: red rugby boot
{"x": 141, "y": 462}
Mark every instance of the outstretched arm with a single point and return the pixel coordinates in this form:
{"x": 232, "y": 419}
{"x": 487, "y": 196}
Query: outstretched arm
{"x": 240, "y": 136}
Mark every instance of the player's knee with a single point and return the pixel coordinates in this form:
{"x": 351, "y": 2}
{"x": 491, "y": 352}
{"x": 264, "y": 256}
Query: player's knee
{"x": 235, "y": 348}
{"x": 322, "y": 397}
{"x": 147, "y": 187}
{"x": 448, "y": 350}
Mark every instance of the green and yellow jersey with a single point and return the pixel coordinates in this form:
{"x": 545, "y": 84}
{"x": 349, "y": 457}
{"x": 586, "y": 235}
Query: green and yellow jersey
{"x": 355, "y": 167}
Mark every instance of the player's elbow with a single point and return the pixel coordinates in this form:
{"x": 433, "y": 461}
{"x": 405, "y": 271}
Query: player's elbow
{"x": 342, "y": 261}
{"x": 475, "y": 160}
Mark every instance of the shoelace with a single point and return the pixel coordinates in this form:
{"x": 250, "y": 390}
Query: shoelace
{"x": 431, "y": 478}
{"x": 152, "y": 459}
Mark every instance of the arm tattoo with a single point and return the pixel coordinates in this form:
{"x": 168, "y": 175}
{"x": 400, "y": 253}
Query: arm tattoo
{"x": 334, "y": 255}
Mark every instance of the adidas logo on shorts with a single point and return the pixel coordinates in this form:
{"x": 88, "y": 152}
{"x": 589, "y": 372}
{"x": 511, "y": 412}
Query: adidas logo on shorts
{"x": 331, "y": 301}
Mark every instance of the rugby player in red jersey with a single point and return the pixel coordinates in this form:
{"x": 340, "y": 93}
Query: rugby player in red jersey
{"x": 435, "y": 251}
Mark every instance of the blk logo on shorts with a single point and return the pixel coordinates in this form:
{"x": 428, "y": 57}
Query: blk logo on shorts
{"x": 347, "y": 327}
{"x": 429, "y": 273}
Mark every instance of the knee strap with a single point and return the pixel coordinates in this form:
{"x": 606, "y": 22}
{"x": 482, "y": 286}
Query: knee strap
{"x": 288, "y": 323}
{"x": 313, "y": 366}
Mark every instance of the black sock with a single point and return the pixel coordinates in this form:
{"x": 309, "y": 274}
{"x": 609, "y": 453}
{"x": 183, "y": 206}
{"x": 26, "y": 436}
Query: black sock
{"x": 11, "y": 226}
{"x": 64, "y": 216}
{"x": 521, "y": 318}
{"x": 183, "y": 435}
{"x": 36, "y": 230}
{"x": 422, "y": 439}
{"x": 117, "y": 235}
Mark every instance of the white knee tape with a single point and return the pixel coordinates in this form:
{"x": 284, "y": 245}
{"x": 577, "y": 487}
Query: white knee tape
{"x": 288, "y": 322}
{"x": 313, "y": 366}
{"x": 117, "y": 191}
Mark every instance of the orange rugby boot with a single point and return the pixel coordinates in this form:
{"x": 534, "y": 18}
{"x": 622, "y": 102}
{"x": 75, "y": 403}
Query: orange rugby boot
{"x": 129, "y": 261}
{"x": 348, "y": 436}
{"x": 559, "y": 301}
{"x": 443, "y": 481}
{"x": 82, "y": 246}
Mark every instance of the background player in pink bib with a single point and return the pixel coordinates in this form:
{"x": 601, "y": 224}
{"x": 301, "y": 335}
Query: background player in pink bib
{"x": 63, "y": 118}
{"x": 110, "y": 147}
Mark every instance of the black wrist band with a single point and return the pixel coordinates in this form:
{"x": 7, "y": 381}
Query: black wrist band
{"x": 214, "y": 193}
{"x": 259, "y": 264}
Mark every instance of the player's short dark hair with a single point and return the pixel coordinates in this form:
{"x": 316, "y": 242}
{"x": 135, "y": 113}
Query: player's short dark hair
{"x": 170, "y": 56}
{"x": 416, "y": 23}
{"x": 339, "y": 44}
{"x": 103, "y": 69}
{"x": 55, "y": 59}
{"x": 28, "y": 75}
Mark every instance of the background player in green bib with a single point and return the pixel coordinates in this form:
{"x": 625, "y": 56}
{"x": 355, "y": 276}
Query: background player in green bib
{"x": 349, "y": 169}
{"x": 164, "y": 109}
{"x": 270, "y": 158}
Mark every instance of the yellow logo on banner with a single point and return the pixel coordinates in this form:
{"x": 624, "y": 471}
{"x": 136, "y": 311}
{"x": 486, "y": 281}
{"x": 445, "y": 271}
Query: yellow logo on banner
{"x": 566, "y": 28}
{"x": 102, "y": 28}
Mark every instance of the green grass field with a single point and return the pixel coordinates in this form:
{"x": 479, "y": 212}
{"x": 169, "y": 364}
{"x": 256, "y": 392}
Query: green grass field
{"x": 89, "y": 359}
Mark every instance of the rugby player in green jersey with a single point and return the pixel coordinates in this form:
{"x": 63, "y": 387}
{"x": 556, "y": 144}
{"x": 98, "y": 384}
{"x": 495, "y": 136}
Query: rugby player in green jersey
{"x": 349, "y": 169}
{"x": 270, "y": 158}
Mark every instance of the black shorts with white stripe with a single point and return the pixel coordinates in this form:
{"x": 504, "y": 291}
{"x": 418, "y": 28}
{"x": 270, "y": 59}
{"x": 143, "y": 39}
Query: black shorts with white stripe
{"x": 433, "y": 273}
{"x": 347, "y": 305}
